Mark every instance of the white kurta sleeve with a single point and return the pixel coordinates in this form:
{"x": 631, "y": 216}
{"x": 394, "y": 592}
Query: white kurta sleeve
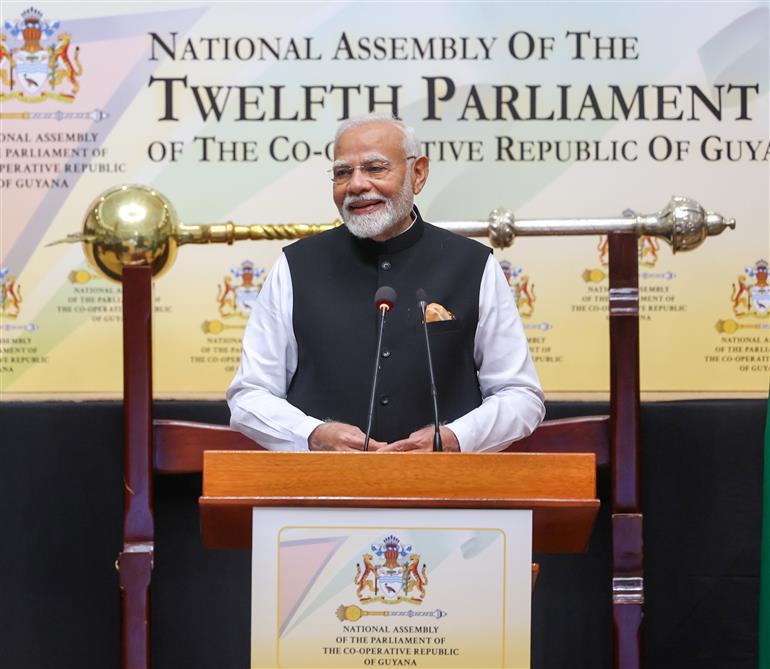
{"x": 257, "y": 394}
{"x": 512, "y": 400}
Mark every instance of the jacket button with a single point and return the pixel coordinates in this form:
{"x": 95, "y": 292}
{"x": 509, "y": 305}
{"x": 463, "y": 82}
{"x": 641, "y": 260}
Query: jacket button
{"x": 384, "y": 400}
{"x": 385, "y": 265}
{"x": 386, "y": 353}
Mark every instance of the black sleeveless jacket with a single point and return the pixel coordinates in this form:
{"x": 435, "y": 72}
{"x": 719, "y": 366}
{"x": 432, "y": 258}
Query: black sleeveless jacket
{"x": 335, "y": 276}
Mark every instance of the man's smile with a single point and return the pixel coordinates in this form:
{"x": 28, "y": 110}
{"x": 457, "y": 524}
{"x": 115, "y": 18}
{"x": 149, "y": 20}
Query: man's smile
{"x": 365, "y": 207}
{"x": 362, "y": 207}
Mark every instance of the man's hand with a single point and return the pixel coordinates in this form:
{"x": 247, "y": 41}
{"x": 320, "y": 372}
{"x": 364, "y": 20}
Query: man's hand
{"x": 422, "y": 440}
{"x": 340, "y": 437}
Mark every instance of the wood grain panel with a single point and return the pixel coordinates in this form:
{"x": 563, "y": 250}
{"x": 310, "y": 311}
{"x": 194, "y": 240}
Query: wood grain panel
{"x": 559, "y": 488}
{"x": 408, "y": 475}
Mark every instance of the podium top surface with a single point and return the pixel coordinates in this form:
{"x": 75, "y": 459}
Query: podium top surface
{"x": 559, "y": 488}
{"x": 400, "y": 475}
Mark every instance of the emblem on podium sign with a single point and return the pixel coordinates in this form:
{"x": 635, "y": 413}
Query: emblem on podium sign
{"x": 34, "y": 72}
{"x": 391, "y": 574}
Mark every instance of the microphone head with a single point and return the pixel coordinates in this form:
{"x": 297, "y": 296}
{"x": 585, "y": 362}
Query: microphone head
{"x": 385, "y": 297}
{"x": 421, "y": 295}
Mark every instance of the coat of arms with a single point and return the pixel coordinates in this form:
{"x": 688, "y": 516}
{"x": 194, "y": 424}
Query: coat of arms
{"x": 391, "y": 574}
{"x": 239, "y": 291}
{"x": 236, "y": 296}
{"x": 33, "y": 71}
{"x": 752, "y": 298}
{"x": 11, "y": 294}
{"x": 523, "y": 290}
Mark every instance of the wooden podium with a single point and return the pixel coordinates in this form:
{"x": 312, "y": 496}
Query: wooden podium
{"x": 560, "y": 489}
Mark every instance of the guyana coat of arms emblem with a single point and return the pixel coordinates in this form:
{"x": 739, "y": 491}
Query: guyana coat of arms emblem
{"x": 750, "y": 301}
{"x": 236, "y": 296}
{"x": 10, "y": 306}
{"x": 751, "y": 292}
{"x": 35, "y": 71}
{"x": 239, "y": 290}
{"x": 523, "y": 289}
{"x": 391, "y": 573}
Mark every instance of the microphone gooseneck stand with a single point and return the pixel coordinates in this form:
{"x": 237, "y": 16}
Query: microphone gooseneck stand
{"x": 423, "y": 301}
{"x": 384, "y": 299}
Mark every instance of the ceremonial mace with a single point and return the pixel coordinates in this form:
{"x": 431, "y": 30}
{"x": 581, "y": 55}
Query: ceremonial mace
{"x": 136, "y": 228}
{"x": 134, "y": 225}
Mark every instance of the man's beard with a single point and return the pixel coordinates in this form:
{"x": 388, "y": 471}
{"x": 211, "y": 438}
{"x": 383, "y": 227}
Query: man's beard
{"x": 376, "y": 223}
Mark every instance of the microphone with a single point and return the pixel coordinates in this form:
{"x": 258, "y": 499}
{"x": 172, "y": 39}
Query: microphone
{"x": 422, "y": 300}
{"x": 384, "y": 299}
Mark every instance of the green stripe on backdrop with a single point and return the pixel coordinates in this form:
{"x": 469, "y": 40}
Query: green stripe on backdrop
{"x": 764, "y": 576}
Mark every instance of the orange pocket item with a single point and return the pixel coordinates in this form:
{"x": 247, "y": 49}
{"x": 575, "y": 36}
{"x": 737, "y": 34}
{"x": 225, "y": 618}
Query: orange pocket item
{"x": 435, "y": 312}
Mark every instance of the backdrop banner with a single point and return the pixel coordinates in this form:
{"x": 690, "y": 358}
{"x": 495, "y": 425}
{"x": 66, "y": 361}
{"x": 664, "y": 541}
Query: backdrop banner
{"x": 550, "y": 110}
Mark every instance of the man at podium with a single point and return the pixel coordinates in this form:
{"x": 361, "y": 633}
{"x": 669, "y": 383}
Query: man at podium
{"x": 304, "y": 380}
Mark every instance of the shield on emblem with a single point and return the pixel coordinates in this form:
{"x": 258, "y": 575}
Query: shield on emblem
{"x": 760, "y": 297}
{"x": 391, "y": 583}
{"x": 245, "y": 297}
{"x": 32, "y": 70}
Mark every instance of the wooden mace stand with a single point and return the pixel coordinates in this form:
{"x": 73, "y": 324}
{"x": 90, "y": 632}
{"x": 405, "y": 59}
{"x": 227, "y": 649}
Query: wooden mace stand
{"x": 177, "y": 447}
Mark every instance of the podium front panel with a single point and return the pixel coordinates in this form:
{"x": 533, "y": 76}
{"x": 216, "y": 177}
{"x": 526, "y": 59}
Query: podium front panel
{"x": 368, "y": 587}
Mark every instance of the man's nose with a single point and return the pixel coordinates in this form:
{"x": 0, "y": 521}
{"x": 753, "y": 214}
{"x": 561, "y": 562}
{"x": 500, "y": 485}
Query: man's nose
{"x": 359, "y": 181}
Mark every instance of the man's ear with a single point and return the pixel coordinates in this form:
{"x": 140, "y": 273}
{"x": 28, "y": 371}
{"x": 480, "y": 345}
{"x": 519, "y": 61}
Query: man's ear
{"x": 419, "y": 173}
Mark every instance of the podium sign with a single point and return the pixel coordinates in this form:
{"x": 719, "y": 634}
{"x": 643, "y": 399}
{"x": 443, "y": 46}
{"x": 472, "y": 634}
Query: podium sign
{"x": 369, "y": 587}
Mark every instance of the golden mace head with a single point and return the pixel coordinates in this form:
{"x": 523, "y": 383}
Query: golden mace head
{"x": 130, "y": 225}
{"x": 136, "y": 225}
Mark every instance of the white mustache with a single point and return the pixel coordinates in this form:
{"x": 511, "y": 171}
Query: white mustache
{"x": 351, "y": 200}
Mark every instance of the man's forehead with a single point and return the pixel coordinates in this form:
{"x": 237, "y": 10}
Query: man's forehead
{"x": 377, "y": 138}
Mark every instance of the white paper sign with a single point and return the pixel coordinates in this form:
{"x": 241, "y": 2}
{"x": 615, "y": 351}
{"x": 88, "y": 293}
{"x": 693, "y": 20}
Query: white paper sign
{"x": 391, "y": 588}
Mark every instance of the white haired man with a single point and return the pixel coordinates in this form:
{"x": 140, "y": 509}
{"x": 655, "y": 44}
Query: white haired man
{"x": 303, "y": 382}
